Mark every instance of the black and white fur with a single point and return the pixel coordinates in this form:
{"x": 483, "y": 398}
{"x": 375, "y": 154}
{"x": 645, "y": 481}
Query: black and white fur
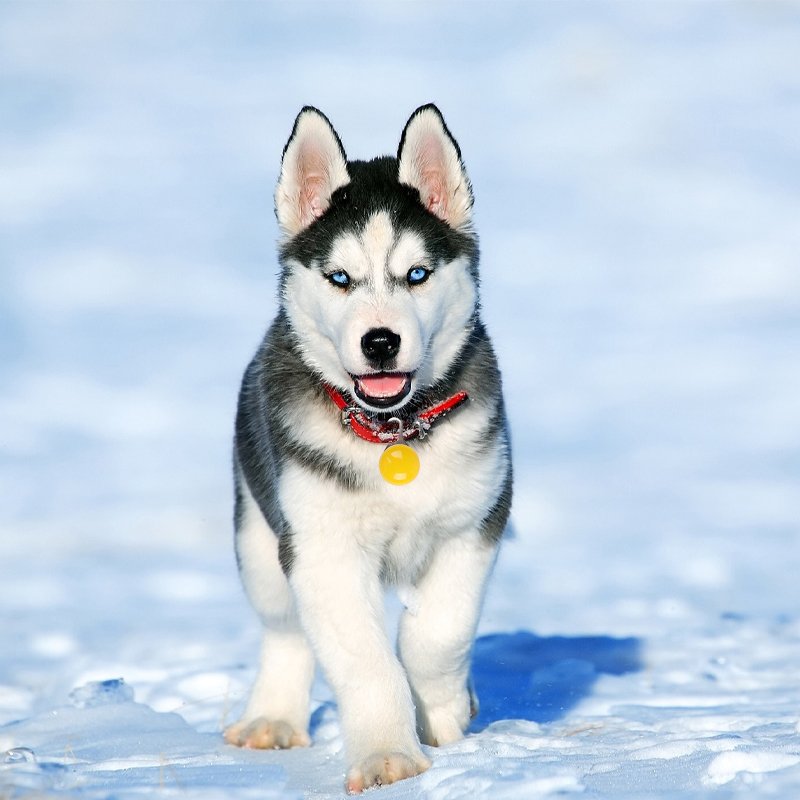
{"x": 318, "y": 531}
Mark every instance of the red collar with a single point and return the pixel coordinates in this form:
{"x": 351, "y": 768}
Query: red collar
{"x": 392, "y": 430}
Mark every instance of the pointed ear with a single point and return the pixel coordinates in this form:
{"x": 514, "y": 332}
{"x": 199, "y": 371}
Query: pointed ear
{"x": 314, "y": 166}
{"x": 429, "y": 160}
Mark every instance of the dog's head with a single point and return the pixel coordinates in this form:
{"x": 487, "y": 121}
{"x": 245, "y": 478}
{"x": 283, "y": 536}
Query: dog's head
{"x": 379, "y": 259}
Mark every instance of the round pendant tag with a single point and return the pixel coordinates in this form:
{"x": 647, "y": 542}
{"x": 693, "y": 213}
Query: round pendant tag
{"x": 399, "y": 464}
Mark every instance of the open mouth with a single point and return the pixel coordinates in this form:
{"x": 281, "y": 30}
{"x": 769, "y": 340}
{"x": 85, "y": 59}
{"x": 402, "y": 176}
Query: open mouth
{"x": 382, "y": 389}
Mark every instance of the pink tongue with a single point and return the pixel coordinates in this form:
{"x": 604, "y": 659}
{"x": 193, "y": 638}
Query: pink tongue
{"x": 382, "y": 385}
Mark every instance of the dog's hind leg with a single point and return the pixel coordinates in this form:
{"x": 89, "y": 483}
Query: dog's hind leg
{"x": 277, "y": 712}
{"x": 436, "y": 636}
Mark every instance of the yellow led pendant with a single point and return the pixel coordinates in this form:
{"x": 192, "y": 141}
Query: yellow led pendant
{"x": 399, "y": 464}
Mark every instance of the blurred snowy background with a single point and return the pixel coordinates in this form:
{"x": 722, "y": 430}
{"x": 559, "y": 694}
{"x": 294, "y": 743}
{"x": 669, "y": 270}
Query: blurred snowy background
{"x": 637, "y": 175}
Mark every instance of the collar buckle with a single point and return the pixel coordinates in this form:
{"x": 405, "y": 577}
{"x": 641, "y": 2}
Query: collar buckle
{"x": 372, "y": 430}
{"x": 422, "y": 427}
{"x": 347, "y": 415}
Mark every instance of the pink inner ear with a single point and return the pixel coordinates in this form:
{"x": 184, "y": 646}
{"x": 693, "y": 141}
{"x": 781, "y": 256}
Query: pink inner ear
{"x": 435, "y": 195}
{"x": 313, "y": 204}
{"x": 313, "y": 178}
{"x": 430, "y": 161}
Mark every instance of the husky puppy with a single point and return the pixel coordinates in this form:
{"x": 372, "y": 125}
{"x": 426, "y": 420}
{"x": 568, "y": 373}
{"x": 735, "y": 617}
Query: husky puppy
{"x": 378, "y": 343}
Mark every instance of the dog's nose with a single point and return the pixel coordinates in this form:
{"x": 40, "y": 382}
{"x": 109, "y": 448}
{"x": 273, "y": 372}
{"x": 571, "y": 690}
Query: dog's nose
{"x": 380, "y": 345}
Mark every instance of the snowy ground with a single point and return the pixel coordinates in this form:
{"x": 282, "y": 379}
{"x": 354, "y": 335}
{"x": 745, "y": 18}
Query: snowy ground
{"x": 637, "y": 171}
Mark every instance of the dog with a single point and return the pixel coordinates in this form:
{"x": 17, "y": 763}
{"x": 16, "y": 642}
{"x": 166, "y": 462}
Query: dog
{"x": 371, "y": 449}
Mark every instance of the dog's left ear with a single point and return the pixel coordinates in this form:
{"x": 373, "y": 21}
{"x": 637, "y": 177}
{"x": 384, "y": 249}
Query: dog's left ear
{"x": 429, "y": 159}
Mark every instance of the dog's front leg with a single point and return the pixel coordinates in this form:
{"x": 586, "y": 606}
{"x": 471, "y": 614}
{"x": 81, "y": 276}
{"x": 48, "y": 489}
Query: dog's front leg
{"x": 336, "y": 583}
{"x": 437, "y": 632}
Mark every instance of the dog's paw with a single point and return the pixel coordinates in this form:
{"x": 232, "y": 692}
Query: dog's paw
{"x": 381, "y": 769}
{"x": 266, "y": 734}
{"x": 442, "y": 727}
{"x": 446, "y": 723}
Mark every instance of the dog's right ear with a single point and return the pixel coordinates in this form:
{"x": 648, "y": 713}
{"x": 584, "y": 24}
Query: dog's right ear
{"x": 314, "y": 166}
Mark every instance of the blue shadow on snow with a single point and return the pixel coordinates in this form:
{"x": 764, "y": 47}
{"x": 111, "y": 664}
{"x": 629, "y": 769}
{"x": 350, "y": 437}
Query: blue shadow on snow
{"x": 524, "y": 676}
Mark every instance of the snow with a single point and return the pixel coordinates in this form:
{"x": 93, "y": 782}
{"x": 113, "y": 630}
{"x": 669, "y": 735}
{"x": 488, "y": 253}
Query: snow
{"x": 637, "y": 174}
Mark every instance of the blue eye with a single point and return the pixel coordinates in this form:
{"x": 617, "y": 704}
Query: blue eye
{"x": 417, "y": 275}
{"x": 339, "y": 278}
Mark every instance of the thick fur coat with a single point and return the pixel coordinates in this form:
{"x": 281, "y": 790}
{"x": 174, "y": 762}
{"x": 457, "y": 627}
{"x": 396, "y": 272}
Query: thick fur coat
{"x": 379, "y": 300}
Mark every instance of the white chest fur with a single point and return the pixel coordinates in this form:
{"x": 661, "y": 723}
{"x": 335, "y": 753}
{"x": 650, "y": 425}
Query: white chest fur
{"x": 460, "y": 478}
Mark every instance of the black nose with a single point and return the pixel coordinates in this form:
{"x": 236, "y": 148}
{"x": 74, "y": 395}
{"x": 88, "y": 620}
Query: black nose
{"x": 380, "y": 345}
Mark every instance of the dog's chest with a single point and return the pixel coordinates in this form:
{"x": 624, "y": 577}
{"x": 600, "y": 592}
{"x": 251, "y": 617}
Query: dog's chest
{"x": 402, "y": 526}
{"x": 461, "y": 475}
{"x": 457, "y": 485}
